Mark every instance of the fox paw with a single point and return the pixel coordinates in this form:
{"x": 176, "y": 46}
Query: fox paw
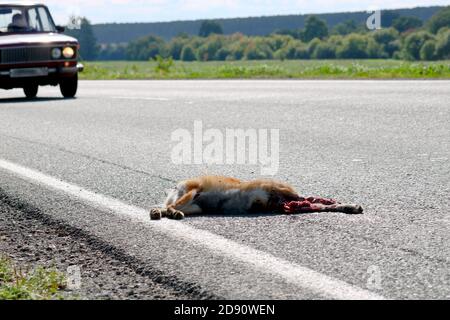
{"x": 177, "y": 215}
{"x": 155, "y": 214}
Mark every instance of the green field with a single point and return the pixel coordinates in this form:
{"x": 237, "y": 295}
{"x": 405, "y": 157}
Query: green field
{"x": 271, "y": 69}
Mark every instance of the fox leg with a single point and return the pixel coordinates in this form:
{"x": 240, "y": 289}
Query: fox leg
{"x": 169, "y": 212}
{"x": 172, "y": 213}
{"x": 183, "y": 206}
{"x": 303, "y": 207}
{"x": 158, "y": 213}
{"x": 344, "y": 208}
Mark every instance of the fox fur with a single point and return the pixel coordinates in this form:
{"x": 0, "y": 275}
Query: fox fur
{"x": 226, "y": 195}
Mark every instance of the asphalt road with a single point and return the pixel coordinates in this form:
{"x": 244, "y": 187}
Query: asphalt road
{"x": 382, "y": 144}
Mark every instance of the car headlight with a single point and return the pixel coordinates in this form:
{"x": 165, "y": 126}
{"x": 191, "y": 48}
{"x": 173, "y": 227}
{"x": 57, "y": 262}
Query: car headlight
{"x": 56, "y": 53}
{"x": 68, "y": 52}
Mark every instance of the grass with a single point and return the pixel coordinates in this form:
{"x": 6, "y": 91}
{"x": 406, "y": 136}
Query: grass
{"x": 270, "y": 69}
{"x": 39, "y": 284}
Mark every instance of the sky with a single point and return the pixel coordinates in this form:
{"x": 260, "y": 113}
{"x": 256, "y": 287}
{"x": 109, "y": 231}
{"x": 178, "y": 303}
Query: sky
{"x": 104, "y": 11}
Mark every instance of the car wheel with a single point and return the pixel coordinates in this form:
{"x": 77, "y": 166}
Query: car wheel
{"x": 31, "y": 91}
{"x": 69, "y": 86}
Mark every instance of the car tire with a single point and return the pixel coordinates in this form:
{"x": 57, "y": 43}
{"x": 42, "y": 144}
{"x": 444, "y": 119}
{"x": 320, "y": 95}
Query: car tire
{"x": 31, "y": 91}
{"x": 69, "y": 86}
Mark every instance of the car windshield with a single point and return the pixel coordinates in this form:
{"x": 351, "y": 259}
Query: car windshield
{"x": 17, "y": 19}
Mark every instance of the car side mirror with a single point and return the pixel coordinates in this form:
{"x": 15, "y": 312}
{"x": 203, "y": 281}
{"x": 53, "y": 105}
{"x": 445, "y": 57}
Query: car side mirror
{"x": 60, "y": 29}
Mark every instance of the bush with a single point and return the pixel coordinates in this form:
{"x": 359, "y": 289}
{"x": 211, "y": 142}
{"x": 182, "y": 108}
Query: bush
{"x": 237, "y": 43}
{"x": 385, "y": 43}
{"x": 295, "y": 49}
{"x": 375, "y": 50}
{"x": 353, "y": 47}
{"x": 385, "y": 36}
{"x": 208, "y": 50}
{"x": 324, "y": 51}
{"x": 163, "y": 65}
{"x": 224, "y": 54}
{"x": 175, "y": 47}
{"x": 428, "y": 51}
{"x": 313, "y": 45}
{"x": 443, "y": 44}
{"x": 413, "y": 44}
{"x": 188, "y": 54}
{"x": 277, "y": 42}
{"x": 302, "y": 52}
{"x": 258, "y": 50}
{"x": 387, "y": 39}
{"x": 336, "y": 40}
{"x": 237, "y": 51}
{"x": 393, "y": 48}
{"x": 146, "y": 48}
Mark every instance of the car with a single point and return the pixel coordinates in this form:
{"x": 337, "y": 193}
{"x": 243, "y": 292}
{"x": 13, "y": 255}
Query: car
{"x": 34, "y": 51}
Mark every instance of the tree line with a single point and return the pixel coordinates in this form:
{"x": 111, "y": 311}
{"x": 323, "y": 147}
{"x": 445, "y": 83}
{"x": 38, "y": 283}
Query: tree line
{"x": 108, "y": 33}
{"x": 406, "y": 38}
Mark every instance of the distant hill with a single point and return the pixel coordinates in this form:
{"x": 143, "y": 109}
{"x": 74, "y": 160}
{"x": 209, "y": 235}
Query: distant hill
{"x": 125, "y": 32}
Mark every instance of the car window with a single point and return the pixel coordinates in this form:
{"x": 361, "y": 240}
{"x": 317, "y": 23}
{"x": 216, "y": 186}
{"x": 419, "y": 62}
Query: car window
{"x": 6, "y": 18}
{"x": 47, "y": 24}
{"x": 25, "y": 20}
{"x": 33, "y": 20}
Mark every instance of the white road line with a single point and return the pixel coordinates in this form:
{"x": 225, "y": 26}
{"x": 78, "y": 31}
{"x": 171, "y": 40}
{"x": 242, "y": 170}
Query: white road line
{"x": 298, "y": 275}
{"x": 142, "y": 98}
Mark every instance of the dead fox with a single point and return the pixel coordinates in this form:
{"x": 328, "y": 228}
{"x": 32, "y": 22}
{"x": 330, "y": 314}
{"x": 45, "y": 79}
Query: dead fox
{"x": 226, "y": 195}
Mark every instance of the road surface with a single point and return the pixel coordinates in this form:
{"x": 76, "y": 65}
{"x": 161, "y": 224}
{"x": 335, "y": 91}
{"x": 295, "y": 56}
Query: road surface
{"x": 95, "y": 164}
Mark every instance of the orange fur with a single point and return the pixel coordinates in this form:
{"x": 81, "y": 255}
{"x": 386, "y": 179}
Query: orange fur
{"x": 222, "y": 194}
{"x": 217, "y": 194}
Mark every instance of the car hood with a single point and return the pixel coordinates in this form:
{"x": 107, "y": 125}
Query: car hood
{"x": 37, "y": 38}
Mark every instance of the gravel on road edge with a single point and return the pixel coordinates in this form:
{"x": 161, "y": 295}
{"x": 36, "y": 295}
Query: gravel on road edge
{"x": 31, "y": 239}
